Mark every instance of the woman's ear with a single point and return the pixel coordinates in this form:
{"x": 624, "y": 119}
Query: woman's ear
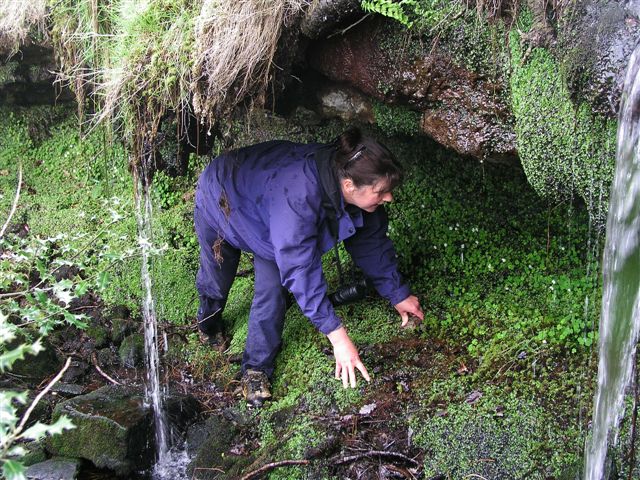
{"x": 347, "y": 185}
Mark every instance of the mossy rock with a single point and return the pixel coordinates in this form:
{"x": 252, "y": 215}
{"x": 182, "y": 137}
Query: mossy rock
{"x": 99, "y": 335}
{"x": 35, "y": 454}
{"x": 113, "y": 429}
{"x": 120, "y": 328}
{"x": 131, "y": 351}
{"x": 209, "y": 441}
{"x": 36, "y": 368}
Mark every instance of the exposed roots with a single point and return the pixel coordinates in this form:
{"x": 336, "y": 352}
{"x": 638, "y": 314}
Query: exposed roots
{"x": 235, "y": 45}
{"x": 18, "y": 19}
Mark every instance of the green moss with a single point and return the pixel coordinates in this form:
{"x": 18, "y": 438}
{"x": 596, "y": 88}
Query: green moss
{"x": 131, "y": 351}
{"x": 111, "y": 430}
{"x": 564, "y": 149}
{"x": 494, "y": 438}
{"x": 396, "y": 120}
{"x": 99, "y": 334}
{"x": 7, "y": 73}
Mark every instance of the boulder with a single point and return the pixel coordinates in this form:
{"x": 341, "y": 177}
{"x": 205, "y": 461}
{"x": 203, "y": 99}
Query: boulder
{"x": 55, "y": 469}
{"x": 114, "y": 429}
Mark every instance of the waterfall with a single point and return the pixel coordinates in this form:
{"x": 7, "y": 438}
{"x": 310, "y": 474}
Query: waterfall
{"x": 153, "y": 389}
{"x": 620, "y": 317}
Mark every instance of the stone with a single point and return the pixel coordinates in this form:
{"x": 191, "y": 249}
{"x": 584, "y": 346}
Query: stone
{"x": 208, "y": 442}
{"x": 77, "y": 369}
{"x": 181, "y": 410}
{"x": 54, "y": 469}
{"x": 323, "y": 15}
{"x": 68, "y": 388}
{"x": 98, "y": 334}
{"x": 345, "y": 103}
{"x": 120, "y": 328}
{"x": 27, "y": 78}
{"x": 114, "y": 429}
{"x": 35, "y": 369}
{"x": 131, "y": 351}
{"x": 107, "y": 358}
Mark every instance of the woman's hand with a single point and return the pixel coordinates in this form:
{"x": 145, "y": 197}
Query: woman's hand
{"x": 347, "y": 358}
{"x": 409, "y": 306}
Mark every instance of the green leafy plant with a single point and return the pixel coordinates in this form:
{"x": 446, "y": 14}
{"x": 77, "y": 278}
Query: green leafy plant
{"x": 390, "y": 8}
{"x": 14, "y": 429}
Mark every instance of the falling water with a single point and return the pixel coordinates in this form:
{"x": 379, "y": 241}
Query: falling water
{"x": 620, "y": 318}
{"x": 153, "y": 389}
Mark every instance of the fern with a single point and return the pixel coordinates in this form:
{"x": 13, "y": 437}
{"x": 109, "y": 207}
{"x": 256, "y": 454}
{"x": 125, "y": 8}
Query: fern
{"x": 390, "y": 8}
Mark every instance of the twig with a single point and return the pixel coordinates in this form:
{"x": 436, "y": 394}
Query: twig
{"x": 270, "y": 466}
{"x": 377, "y": 453}
{"x": 474, "y": 475}
{"x": 36, "y": 400}
{"x": 195, "y": 470}
{"x": 345, "y": 30}
{"x": 15, "y": 201}
{"x": 94, "y": 360}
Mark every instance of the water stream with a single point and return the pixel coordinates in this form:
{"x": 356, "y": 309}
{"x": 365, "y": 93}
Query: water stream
{"x": 154, "y": 391}
{"x": 620, "y": 316}
{"x": 171, "y": 461}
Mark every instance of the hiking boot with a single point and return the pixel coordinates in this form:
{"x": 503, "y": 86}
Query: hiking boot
{"x": 256, "y": 387}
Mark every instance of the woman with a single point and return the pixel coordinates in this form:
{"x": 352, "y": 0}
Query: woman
{"x": 289, "y": 203}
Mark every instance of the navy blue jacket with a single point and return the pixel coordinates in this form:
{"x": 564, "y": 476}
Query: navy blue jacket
{"x": 267, "y": 199}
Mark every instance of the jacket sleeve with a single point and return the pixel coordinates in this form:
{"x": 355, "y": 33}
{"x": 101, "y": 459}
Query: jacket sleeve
{"x": 373, "y": 252}
{"x": 293, "y": 224}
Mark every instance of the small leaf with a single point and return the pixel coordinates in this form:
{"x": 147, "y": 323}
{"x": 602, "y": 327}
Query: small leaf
{"x": 35, "y": 432}
{"x": 82, "y": 287}
{"x": 13, "y": 470}
{"x": 103, "y": 280}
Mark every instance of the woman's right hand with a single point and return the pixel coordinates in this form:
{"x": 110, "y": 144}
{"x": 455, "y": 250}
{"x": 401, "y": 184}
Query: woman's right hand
{"x": 347, "y": 358}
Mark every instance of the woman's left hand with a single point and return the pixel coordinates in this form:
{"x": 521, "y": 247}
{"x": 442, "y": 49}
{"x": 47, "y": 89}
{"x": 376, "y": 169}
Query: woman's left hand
{"x": 409, "y": 306}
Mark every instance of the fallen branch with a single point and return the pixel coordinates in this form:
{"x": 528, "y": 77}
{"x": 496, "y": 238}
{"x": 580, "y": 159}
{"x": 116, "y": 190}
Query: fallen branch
{"x": 94, "y": 360}
{"x": 377, "y": 453}
{"x": 270, "y": 466}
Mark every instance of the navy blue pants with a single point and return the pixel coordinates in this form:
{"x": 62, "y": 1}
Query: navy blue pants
{"x": 213, "y": 281}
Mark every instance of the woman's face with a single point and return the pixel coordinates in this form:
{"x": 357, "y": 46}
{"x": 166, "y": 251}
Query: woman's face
{"x": 367, "y": 197}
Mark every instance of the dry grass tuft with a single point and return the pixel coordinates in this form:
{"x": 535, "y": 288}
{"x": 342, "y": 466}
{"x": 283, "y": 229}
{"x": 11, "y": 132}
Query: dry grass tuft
{"x": 17, "y": 20}
{"x": 235, "y": 45}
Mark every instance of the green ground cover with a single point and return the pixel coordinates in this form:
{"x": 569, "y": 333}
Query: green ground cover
{"x": 508, "y": 282}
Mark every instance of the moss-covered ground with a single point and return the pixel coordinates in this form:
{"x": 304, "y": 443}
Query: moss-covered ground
{"x": 496, "y": 382}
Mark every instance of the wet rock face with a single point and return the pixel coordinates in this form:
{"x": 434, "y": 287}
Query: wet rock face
{"x": 113, "y": 430}
{"x": 595, "y": 47}
{"x": 460, "y": 109}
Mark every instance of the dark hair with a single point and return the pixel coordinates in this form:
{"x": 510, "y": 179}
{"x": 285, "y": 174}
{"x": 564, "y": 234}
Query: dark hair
{"x": 366, "y": 161}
